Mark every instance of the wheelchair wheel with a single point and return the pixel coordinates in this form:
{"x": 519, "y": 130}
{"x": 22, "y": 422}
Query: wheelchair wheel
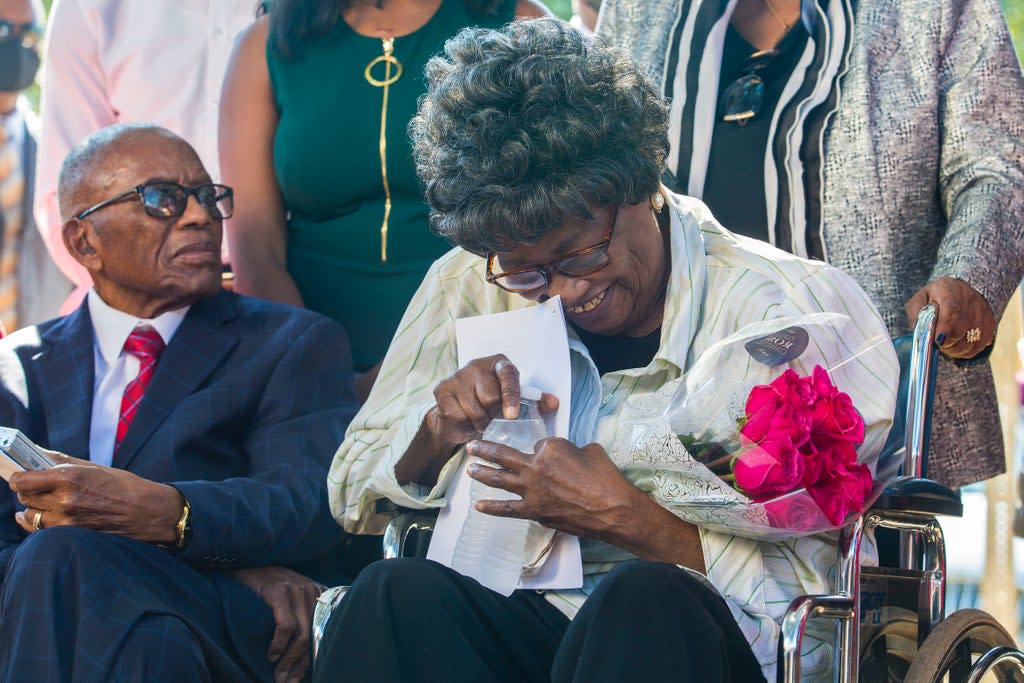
{"x": 887, "y": 650}
{"x": 949, "y": 652}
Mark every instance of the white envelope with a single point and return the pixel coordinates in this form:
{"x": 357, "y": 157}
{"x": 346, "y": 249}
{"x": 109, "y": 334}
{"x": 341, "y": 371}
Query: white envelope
{"x": 536, "y": 342}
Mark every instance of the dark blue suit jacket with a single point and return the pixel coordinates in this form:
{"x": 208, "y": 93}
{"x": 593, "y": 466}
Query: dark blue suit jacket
{"x": 243, "y": 415}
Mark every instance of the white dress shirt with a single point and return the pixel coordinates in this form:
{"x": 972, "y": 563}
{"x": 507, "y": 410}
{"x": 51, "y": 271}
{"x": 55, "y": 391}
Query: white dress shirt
{"x": 111, "y": 61}
{"x": 114, "y": 369}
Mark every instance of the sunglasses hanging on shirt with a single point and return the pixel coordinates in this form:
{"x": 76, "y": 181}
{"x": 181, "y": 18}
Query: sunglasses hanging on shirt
{"x": 744, "y": 97}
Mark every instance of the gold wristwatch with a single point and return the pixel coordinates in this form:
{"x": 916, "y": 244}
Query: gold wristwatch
{"x": 183, "y": 531}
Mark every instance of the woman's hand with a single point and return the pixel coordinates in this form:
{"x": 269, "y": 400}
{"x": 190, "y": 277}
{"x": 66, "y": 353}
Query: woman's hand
{"x": 576, "y": 490}
{"x": 467, "y": 401}
{"x": 481, "y": 391}
{"x": 580, "y": 491}
{"x": 962, "y": 310}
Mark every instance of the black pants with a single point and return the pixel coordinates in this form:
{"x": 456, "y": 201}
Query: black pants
{"x": 416, "y": 620}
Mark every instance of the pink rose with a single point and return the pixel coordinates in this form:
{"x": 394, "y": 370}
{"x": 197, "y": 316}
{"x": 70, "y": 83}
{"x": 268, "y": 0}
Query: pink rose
{"x": 819, "y": 462}
{"x": 833, "y": 416}
{"x": 798, "y": 512}
{"x": 842, "y": 491}
{"x": 769, "y": 469}
{"x": 782, "y": 407}
{"x": 835, "y": 419}
{"x": 821, "y": 383}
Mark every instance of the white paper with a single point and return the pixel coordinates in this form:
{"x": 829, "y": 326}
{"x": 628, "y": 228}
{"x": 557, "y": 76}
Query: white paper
{"x": 536, "y": 342}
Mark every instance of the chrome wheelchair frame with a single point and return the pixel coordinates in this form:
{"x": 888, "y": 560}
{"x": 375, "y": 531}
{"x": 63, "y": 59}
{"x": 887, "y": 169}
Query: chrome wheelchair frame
{"x": 910, "y": 506}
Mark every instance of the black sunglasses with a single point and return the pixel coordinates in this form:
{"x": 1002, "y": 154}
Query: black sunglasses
{"x": 743, "y": 99}
{"x": 30, "y": 34}
{"x": 168, "y": 200}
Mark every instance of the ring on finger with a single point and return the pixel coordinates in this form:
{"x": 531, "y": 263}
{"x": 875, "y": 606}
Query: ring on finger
{"x": 37, "y": 521}
{"x": 973, "y": 335}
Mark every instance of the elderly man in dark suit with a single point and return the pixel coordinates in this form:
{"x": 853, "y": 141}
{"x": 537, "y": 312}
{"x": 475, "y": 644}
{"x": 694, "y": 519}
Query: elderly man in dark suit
{"x": 31, "y": 287}
{"x": 200, "y": 423}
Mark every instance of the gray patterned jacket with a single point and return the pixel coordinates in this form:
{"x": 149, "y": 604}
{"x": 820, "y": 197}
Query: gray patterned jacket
{"x": 921, "y": 172}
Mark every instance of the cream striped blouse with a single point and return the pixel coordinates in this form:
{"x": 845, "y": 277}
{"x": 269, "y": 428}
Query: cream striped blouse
{"x": 720, "y": 282}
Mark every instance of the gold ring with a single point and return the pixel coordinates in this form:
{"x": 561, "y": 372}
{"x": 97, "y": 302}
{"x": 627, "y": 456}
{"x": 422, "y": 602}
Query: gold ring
{"x": 37, "y": 521}
{"x": 973, "y": 335}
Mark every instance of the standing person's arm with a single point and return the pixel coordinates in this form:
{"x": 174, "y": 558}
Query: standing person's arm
{"x": 980, "y": 260}
{"x": 75, "y": 102}
{"x": 248, "y": 119}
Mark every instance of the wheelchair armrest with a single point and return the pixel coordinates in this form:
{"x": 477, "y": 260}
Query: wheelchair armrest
{"x": 921, "y": 496}
{"x": 406, "y": 523}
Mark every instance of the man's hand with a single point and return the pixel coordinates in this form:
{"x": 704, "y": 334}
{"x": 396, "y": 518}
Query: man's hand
{"x": 962, "y": 310}
{"x": 80, "y": 493}
{"x": 292, "y": 598}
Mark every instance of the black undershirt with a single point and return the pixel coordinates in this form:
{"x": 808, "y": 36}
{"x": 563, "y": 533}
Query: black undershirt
{"x": 620, "y": 352}
{"x": 734, "y": 184}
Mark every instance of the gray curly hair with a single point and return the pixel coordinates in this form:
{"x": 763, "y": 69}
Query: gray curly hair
{"x": 527, "y": 125}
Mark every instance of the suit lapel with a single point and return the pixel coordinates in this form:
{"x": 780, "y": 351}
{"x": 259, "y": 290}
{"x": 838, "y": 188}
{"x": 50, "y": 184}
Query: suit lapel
{"x": 196, "y": 350}
{"x": 65, "y": 371}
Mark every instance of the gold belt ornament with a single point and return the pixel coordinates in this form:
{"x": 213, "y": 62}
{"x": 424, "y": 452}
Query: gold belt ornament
{"x": 390, "y": 61}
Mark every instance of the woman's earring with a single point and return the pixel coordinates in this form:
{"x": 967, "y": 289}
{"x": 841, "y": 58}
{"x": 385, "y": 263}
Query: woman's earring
{"x": 657, "y": 202}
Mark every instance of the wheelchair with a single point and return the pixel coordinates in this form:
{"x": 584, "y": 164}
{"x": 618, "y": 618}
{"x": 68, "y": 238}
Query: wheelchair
{"x": 890, "y": 622}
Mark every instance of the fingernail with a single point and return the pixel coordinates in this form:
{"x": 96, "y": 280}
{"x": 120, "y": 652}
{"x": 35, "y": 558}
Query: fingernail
{"x": 473, "y": 469}
{"x": 472, "y": 446}
{"x": 941, "y": 339}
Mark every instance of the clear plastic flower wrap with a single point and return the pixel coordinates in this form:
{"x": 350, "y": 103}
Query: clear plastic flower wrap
{"x": 774, "y": 432}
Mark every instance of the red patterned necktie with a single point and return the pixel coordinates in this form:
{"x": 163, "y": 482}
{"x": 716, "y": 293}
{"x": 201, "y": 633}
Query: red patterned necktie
{"x": 146, "y": 344}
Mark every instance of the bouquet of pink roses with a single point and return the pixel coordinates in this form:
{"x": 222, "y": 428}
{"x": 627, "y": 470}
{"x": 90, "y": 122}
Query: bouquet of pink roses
{"x": 774, "y": 432}
{"x": 802, "y": 432}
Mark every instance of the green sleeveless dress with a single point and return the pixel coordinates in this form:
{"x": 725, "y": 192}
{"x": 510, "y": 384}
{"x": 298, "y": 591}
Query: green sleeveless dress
{"x": 327, "y": 163}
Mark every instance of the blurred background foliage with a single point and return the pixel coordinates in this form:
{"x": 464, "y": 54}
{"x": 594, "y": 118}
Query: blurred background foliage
{"x": 1014, "y": 15}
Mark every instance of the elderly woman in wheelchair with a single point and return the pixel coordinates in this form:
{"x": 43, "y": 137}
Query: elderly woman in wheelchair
{"x": 541, "y": 152}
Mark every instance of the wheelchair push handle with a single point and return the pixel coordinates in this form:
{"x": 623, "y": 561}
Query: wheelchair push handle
{"x": 922, "y": 380}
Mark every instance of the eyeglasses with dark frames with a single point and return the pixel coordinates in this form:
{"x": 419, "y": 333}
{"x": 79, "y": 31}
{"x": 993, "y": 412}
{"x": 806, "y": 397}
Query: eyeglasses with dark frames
{"x": 535, "y": 278}
{"x": 169, "y": 200}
